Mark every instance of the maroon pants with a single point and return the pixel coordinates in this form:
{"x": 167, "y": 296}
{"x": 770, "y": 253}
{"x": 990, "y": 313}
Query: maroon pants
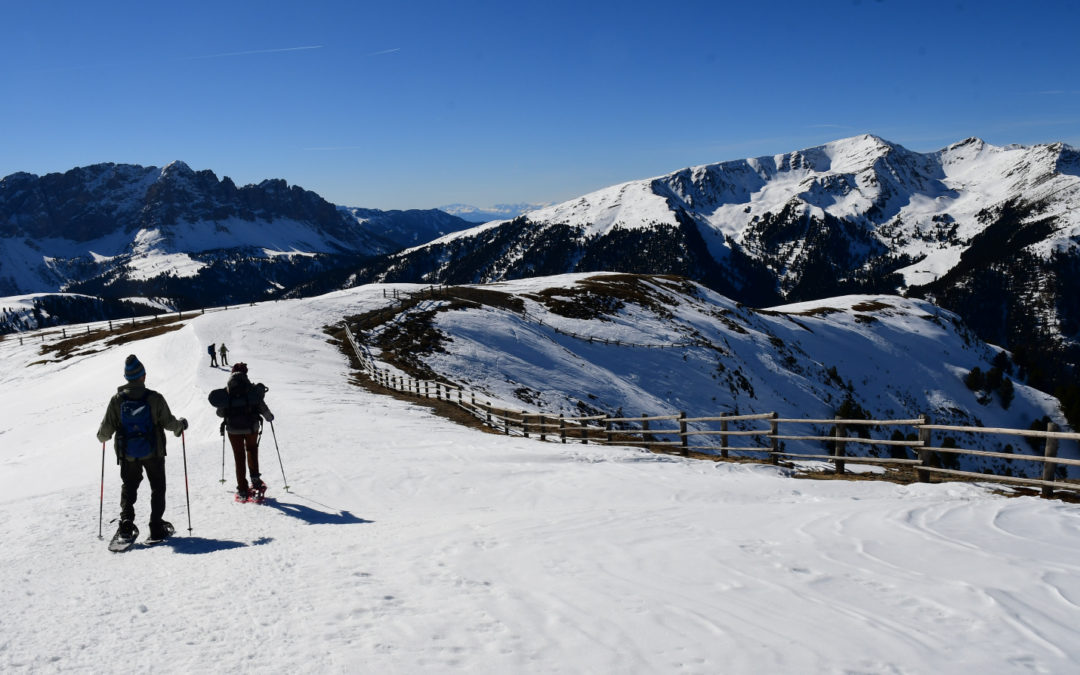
{"x": 245, "y": 445}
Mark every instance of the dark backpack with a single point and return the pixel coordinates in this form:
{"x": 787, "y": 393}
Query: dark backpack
{"x": 242, "y": 409}
{"x": 136, "y": 433}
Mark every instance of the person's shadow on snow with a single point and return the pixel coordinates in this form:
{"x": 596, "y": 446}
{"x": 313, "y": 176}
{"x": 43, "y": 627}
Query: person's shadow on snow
{"x": 314, "y": 516}
{"x": 199, "y": 545}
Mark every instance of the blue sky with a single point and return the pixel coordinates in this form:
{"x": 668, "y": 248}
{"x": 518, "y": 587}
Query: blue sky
{"x": 419, "y": 104}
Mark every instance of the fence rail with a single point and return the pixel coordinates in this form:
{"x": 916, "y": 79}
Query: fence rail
{"x": 765, "y": 439}
{"x": 46, "y": 333}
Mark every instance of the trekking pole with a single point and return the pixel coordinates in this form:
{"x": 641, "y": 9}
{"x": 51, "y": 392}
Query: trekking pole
{"x": 187, "y": 493}
{"x": 222, "y": 457}
{"x": 101, "y": 508}
{"x": 274, "y": 434}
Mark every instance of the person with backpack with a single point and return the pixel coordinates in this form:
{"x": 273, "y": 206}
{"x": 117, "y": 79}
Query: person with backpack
{"x": 223, "y": 351}
{"x": 213, "y": 355}
{"x": 139, "y": 418}
{"x": 243, "y": 414}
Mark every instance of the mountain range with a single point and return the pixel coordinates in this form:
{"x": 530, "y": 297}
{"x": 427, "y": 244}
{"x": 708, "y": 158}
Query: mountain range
{"x": 118, "y": 230}
{"x": 987, "y": 232}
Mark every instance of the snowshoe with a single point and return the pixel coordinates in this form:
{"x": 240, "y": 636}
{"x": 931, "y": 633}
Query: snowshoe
{"x": 125, "y": 536}
{"x": 258, "y": 492}
{"x": 160, "y": 532}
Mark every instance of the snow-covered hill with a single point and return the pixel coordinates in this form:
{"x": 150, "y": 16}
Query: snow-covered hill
{"x": 408, "y": 544}
{"x": 627, "y": 345}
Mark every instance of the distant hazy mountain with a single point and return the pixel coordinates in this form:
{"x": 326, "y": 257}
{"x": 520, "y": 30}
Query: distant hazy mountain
{"x": 476, "y": 214}
{"x": 407, "y": 228}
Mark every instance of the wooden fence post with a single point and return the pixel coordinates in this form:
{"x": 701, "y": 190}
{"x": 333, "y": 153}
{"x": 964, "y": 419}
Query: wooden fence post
{"x": 840, "y": 431}
{"x": 723, "y": 438}
{"x": 684, "y": 437}
{"x": 607, "y": 430}
{"x": 542, "y": 421}
{"x": 774, "y": 446}
{"x": 645, "y": 437}
{"x": 1049, "y": 468}
{"x": 525, "y": 423}
{"x": 924, "y": 454}
{"x": 562, "y": 428}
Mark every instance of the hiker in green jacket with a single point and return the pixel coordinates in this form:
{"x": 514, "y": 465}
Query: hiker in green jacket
{"x": 139, "y": 417}
{"x": 223, "y": 351}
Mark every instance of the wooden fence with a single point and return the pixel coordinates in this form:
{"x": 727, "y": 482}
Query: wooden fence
{"x": 756, "y": 435}
{"x": 108, "y": 325}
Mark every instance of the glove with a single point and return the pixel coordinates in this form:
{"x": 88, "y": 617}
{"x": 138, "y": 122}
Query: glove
{"x": 183, "y": 425}
{"x": 269, "y": 417}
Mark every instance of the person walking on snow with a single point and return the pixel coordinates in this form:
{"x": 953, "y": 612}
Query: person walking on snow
{"x": 213, "y": 355}
{"x": 223, "y": 352}
{"x": 243, "y": 415}
{"x": 139, "y": 418}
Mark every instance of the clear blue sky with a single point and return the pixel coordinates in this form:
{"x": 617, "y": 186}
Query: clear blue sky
{"x": 398, "y": 104}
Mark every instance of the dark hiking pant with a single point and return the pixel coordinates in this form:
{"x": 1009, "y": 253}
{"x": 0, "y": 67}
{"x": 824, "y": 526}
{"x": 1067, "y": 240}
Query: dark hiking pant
{"x": 245, "y": 446}
{"x": 131, "y": 473}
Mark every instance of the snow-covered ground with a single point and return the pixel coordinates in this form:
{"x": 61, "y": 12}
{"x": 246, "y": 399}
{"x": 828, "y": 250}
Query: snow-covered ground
{"x": 408, "y": 544}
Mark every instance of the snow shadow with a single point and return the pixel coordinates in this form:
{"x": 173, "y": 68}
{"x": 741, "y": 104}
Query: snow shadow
{"x": 199, "y": 545}
{"x": 315, "y": 516}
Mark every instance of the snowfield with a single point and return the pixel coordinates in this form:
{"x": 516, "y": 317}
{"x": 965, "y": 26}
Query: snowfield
{"x": 409, "y": 544}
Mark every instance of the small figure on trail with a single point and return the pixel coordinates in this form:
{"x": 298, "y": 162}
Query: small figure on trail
{"x": 139, "y": 417}
{"x": 244, "y": 412}
{"x": 213, "y": 355}
{"x": 223, "y": 351}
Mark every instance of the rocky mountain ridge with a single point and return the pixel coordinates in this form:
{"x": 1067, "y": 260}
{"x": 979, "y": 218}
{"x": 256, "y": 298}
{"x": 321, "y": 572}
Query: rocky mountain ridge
{"x": 119, "y": 230}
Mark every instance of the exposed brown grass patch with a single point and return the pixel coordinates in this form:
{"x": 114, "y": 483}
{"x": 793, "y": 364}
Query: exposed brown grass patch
{"x": 65, "y": 348}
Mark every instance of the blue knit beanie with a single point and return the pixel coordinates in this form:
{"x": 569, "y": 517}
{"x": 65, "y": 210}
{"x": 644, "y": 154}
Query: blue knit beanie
{"x": 133, "y": 369}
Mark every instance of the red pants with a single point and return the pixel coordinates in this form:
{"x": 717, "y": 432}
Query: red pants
{"x": 245, "y": 445}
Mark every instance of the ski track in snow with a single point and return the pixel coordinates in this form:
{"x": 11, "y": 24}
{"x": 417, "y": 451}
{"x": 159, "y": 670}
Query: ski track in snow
{"x": 408, "y": 544}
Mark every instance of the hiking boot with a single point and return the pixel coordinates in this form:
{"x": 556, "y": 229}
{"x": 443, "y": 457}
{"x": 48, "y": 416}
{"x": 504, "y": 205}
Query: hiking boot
{"x": 242, "y": 494}
{"x": 161, "y": 529}
{"x": 257, "y": 485}
{"x": 126, "y": 529}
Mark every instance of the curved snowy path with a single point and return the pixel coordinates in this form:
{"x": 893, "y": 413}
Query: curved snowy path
{"x": 409, "y": 544}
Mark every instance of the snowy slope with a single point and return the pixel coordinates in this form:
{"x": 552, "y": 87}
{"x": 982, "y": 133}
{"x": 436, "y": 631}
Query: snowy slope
{"x": 684, "y": 348}
{"x": 409, "y": 544}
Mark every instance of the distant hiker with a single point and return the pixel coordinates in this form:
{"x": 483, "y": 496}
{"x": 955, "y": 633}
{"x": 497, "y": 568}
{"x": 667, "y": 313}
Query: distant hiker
{"x": 139, "y": 417}
{"x": 213, "y": 355}
{"x": 243, "y": 412}
{"x": 223, "y": 351}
